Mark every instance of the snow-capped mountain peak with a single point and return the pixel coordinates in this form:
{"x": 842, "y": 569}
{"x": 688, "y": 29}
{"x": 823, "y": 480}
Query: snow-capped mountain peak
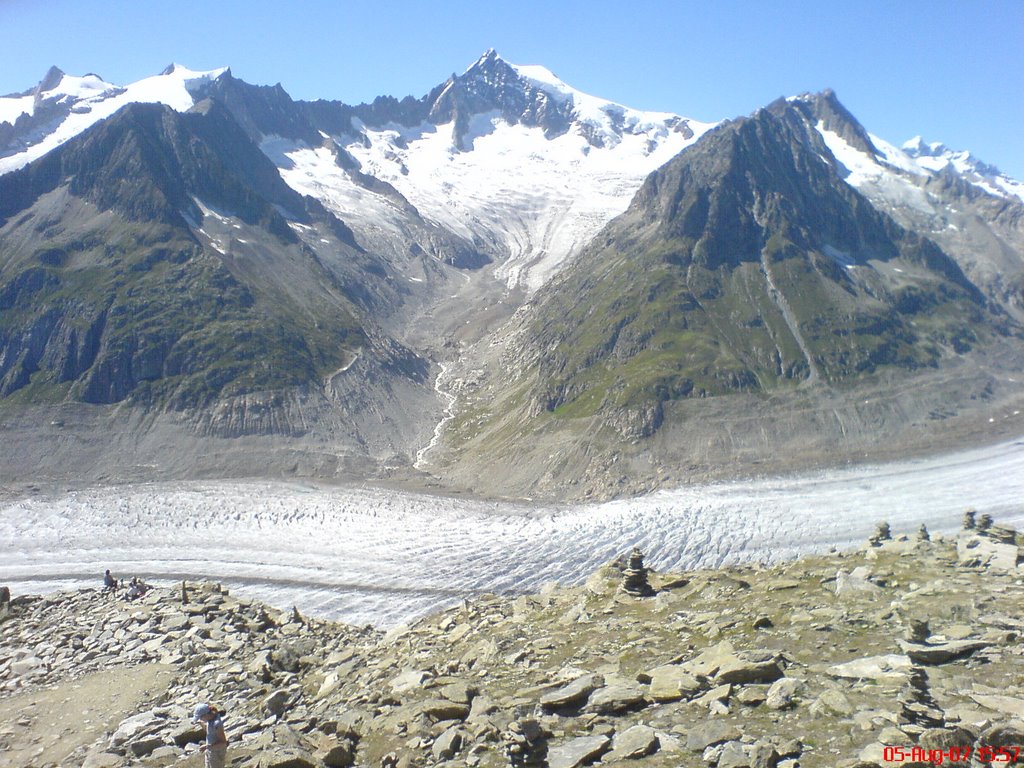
{"x": 533, "y": 95}
{"x": 62, "y": 106}
{"x": 935, "y": 156}
{"x": 888, "y": 172}
{"x": 917, "y": 145}
{"x": 55, "y": 87}
{"x": 489, "y": 56}
{"x": 493, "y": 85}
{"x": 50, "y": 80}
{"x": 891, "y": 175}
{"x": 488, "y": 155}
{"x": 189, "y": 75}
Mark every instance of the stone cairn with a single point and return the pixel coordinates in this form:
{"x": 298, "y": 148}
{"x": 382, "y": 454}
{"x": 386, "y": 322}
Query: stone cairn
{"x": 985, "y": 526}
{"x": 922, "y": 533}
{"x": 525, "y": 743}
{"x": 1003, "y": 534}
{"x": 917, "y": 707}
{"x": 634, "y": 577}
{"x": 918, "y": 631}
{"x": 882, "y": 533}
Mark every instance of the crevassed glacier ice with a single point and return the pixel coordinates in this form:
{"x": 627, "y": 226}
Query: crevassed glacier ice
{"x": 379, "y": 556}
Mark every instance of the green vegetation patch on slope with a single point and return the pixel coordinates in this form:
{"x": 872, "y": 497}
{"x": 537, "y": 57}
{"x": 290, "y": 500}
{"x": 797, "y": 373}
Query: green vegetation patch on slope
{"x": 144, "y": 313}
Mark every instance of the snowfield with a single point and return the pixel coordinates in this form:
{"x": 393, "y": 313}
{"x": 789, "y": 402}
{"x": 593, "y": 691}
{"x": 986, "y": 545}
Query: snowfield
{"x": 889, "y": 176}
{"x": 368, "y": 555}
{"x": 538, "y": 200}
{"x": 94, "y": 100}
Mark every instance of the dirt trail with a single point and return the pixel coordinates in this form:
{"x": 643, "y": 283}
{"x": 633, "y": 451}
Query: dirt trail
{"x": 47, "y": 727}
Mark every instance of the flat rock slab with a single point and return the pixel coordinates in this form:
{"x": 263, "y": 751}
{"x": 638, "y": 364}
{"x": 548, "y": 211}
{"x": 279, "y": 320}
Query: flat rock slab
{"x": 459, "y": 692}
{"x": 734, "y": 756}
{"x": 581, "y": 751}
{"x": 571, "y": 695}
{"x": 447, "y": 744}
{"x": 633, "y": 743}
{"x": 940, "y": 653}
{"x": 855, "y": 583}
{"x": 671, "y": 683}
{"x": 409, "y": 680}
{"x": 777, "y": 585}
{"x": 710, "y": 660}
{"x": 739, "y": 671}
{"x": 442, "y": 709}
{"x": 1005, "y": 704}
{"x": 286, "y": 758}
{"x": 718, "y": 693}
{"x": 782, "y": 693}
{"x": 893, "y": 666}
{"x": 987, "y": 552}
{"x": 617, "y": 698}
{"x": 710, "y": 733}
{"x": 727, "y": 665}
{"x": 103, "y": 760}
{"x": 136, "y": 726}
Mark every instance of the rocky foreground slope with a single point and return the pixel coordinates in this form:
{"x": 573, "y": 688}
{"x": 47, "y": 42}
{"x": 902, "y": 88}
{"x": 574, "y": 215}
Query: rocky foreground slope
{"x": 908, "y": 642}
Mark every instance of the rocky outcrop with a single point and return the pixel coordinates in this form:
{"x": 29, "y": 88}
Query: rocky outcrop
{"x": 744, "y": 667}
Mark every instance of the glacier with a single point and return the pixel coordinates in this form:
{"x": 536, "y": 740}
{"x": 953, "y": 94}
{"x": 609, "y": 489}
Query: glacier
{"x": 372, "y": 555}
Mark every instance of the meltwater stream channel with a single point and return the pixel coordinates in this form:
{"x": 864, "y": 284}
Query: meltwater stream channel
{"x": 368, "y": 555}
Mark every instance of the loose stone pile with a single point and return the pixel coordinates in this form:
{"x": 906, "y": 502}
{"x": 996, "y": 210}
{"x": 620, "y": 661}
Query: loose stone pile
{"x": 634, "y": 576}
{"x": 908, "y": 641}
{"x": 881, "y": 534}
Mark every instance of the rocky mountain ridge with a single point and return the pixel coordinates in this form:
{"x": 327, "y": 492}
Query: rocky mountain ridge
{"x": 133, "y": 296}
{"x": 594, "y": 286}
{"x": 745, "y": 266}
{"x": 907, "y": 643}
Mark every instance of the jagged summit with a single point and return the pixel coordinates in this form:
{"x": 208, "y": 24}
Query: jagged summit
{"x": 50, "y": 80}
{"x": 490, "y": 55}
{"x": 532, "y": 95}
{"x": 918, "y": 145}
{"x": 825, "y": 111}
{"x": 492, "y": 85}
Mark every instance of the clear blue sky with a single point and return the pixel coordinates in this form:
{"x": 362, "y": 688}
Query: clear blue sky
{"x": 950, "y": 70}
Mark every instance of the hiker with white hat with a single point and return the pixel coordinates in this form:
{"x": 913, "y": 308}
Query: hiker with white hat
{"x": 216, "y": 746}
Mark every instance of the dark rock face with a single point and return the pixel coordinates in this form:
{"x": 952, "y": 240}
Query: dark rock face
{"x": 826, "y": 108}
{"x": 742, "y": 265}
{"x": 133, "y": 303}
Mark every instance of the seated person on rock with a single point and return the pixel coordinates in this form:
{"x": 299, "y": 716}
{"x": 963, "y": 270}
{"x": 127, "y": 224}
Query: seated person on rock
{"x": 137, "y": 588}
{"x": 109, "y": 583}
